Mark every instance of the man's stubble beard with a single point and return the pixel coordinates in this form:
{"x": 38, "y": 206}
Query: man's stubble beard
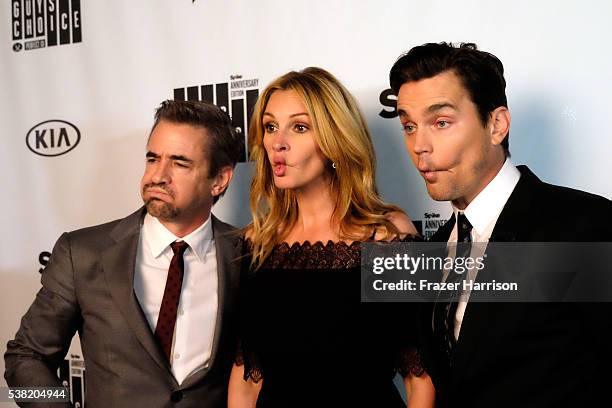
{"x": 161, "y": 210}
{"x": 158, "y": 208}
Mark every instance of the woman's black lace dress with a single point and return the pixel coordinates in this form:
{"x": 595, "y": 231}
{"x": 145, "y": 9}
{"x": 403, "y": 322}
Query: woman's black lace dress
{"x": 305, "y": 332}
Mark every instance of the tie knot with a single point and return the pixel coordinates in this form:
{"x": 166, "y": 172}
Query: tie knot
{"x": 179, "y": 247}
{"x": 463, "y": 228}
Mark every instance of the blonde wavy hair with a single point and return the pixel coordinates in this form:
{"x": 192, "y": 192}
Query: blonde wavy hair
{"x": 343, "y": 137}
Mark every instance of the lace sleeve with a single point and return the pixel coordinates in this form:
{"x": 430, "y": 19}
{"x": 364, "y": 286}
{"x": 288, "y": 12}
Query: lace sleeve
{"x": 245, "y": 355}
{"x": 409, "y": 363}
{"x": 252, "y": 370}
{"x": 408, "y": 360}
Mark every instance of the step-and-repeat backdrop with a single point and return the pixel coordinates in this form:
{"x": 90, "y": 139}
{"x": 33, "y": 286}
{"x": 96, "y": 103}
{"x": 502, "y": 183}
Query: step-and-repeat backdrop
{"x": 80, "y": 80}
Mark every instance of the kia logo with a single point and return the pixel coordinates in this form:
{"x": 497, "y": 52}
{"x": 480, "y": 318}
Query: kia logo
{"x": 53, "y": 138}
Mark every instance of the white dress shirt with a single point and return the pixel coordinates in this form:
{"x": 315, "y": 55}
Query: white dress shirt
{"x": 197, "y": 310}
{"x": 483, "y": 213}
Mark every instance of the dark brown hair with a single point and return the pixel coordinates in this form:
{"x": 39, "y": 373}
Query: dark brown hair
{"x": 481, "y": 73}
{"x": 225, "y": 146}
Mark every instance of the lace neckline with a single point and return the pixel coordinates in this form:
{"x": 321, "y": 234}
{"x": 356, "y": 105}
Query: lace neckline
{"x": 331, "y": 243}
{"x": 307, "y": 244}
{"x": 318, "y": 255}
{"x": 315, "y": 255}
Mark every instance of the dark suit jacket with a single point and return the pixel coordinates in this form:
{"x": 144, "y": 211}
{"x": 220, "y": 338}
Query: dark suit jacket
{"x": 531, "y": 354}
{"x": 88, "y": 287}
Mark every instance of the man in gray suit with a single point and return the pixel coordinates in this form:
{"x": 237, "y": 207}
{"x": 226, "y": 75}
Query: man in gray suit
{"x": 152, "y": 295}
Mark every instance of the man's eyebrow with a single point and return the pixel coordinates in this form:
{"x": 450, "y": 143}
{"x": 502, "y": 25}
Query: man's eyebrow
{"x": 403, "y": 114}
{"x": 181, "y": 158}
{"x": 438, "y": 106}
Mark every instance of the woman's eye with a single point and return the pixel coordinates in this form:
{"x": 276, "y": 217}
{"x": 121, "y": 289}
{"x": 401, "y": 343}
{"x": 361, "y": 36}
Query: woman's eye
{"x": 301, "y": 128}
{"x": 269, "y": 127}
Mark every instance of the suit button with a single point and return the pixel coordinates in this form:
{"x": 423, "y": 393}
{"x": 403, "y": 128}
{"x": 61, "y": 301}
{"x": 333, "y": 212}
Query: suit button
{"x": 176, "y": 396}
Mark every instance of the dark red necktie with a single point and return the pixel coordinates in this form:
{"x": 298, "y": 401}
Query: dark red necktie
{"x": 164, "y": 330}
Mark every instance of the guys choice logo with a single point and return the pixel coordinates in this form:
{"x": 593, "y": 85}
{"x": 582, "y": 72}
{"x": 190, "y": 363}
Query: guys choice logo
{"x": 53, "y": 138}
{"x": 45, "y": 23}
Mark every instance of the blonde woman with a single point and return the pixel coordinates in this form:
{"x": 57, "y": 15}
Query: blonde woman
{"x": 306, "y": 338}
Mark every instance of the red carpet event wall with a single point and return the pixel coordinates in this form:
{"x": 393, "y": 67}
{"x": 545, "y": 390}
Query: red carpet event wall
{"x": 80, "y": 80}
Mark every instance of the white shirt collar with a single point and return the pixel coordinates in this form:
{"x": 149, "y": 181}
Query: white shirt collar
{"x": 159, "y": 237}
{"x": 484, "y": 210}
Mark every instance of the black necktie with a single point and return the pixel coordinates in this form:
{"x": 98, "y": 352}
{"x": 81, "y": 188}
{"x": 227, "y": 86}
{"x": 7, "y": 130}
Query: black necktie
{"x": 446, "y": 308}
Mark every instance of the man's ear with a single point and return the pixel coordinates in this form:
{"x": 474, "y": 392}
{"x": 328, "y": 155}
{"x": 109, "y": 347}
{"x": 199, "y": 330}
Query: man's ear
{"x": 499, "y": 124}
{"x": 222, "y": 180}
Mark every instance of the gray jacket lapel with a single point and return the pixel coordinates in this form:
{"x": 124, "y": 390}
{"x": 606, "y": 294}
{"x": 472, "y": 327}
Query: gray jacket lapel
{"x": 119, "y": 262}
{"x": 227, "y": 247}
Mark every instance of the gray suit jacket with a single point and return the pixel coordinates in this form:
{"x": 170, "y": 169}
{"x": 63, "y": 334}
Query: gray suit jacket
{"x": 88, "y": 287}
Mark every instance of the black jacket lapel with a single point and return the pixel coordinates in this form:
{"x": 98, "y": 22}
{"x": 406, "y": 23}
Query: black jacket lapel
{"x": 443, "y": 233}
{"x": 480, "y": 317}
{"x": 517, "y": 212}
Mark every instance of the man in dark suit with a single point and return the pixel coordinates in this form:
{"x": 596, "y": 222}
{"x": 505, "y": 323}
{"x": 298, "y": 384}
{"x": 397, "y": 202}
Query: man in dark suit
{"x": 452, "y": 106}
{"x": 152, "y": 295}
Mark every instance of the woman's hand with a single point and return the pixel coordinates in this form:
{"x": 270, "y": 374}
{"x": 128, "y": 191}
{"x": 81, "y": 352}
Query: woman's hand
{"x": 241, "y": 393}
{"x": 420, "y": 391}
